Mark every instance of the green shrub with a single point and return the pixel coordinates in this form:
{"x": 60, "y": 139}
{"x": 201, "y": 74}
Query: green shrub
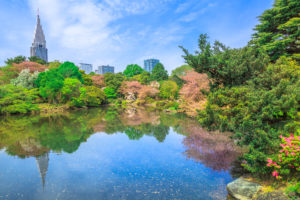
{"x": 258, "y": 112}
{"x": 110, "y": 93}
{"x": 49, "y": 83}
{"x": 17, "y": 99}
{"x": 90, "y": 96}
{"x": 168, "y": 89}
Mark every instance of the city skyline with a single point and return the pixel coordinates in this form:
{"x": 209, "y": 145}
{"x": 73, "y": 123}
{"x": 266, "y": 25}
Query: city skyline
{"x": 118, "y": 34}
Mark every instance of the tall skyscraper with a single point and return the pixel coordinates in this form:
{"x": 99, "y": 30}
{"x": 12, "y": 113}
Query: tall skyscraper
{"x": 88, "y": 68}
{"x": 104, "y": 69}
{"x": 38, "y": 47}
{"x": 150, "y": 64}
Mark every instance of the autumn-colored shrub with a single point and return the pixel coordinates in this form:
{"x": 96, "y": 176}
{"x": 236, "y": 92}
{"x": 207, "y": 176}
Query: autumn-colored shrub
{"x": 147, "y": 91}
{"x": 32, "y": 66}
{"x": 98, "y": 81}
{"x": 195, "y": 84}
{"x": 287, "y": 161}
{"x": 130, "y": 89}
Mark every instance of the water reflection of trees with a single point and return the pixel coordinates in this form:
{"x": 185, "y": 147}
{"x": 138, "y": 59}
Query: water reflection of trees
{"x": 215, "y": 150}
{"x": 36, "y": 135}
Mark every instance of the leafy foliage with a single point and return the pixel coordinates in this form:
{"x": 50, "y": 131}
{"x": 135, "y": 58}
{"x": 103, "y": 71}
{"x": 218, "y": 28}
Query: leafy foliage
{"x": 225, "y": 66}
{"x": 168, "y": 89}
{"x": 25, "y": 79}
{"x": 132, "y": 70}
{"x": 90, "y": 96}
{"x": 194, "y": 84}
{"x": 49, "y": 84}
{"x": 181, "y": 71}
{"x": 278, "y": 32}
{"x": 159, "y": 73}
{"x": 70, "y": 89}
{"x": 69, "y": 70}
{"x": 113, "y": 81}
{"x": 54, "y": 64}
{"x": 37, "y": 60}
{"x": 257, "y": 111}
{"x": 98, "y": 81}
{"x": 17, "y": 60}
{"x": 143, "y": 78}
{"x": 110, "y": 93}
{"x": 17, "y": 99}
{"x": 87, "y": 80}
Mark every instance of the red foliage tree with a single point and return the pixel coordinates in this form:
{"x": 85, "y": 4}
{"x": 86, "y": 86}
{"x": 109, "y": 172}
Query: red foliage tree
{"x": 98, "y": 81}
{"x": 32, "y": 66}
{"x": 195, "y": 82}
{"x": 147, "y": 91}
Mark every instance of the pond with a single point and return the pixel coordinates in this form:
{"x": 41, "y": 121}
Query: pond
{"x": 107, "y": 154}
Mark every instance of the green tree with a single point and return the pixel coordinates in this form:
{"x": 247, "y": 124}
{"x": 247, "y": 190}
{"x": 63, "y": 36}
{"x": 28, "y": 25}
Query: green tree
{"x": 143, "y": 78}
{"x": 278, "y": 32}
{"x": 86, "y": 78}
{"x": 258, "y": 111}
{"x": 110, "y": 93}
{"x": 113, "y": 81}
{"x": 168, "y": 89}
{"x": 132, "y": 70}
{"x": 159, "y": 73}
{"x": 17, "y": 99}
{"x": 69, "y": 70}
{"x": 225, "y": 66}
{"x": 17, "y": 60}
{"x": 54, "y": 64}
{"x": 70, "y": 89}
{"x": 180, "y": 71}
{"x": 49, "y": 83}
{"x": 37, "y": 60}
{"x": 90, "y": 96}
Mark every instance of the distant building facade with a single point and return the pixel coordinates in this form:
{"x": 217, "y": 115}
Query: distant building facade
{"x": 88, "y": 68}
{"x": 105, "y": 69}
{"x": 38, "y": 47}
{"x": 149, "y": 64}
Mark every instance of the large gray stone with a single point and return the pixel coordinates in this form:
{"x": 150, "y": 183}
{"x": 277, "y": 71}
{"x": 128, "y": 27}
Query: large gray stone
{"x": 242, "y": 190}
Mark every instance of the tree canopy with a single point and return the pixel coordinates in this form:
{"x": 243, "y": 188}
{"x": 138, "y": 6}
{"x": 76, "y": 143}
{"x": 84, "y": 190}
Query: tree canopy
{"x": 278, "y": 32}
{"x": 132, "y": 70}
{"x": 17, "y": 60}
{"x": 224, "y": 65}
{"x": 69, "y": 70}
{"x": 159, "y": 73}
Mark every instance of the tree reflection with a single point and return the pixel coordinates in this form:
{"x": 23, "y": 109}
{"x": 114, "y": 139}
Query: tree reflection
{"x": 38, "y": 134}
{"x": 214, "y": 150}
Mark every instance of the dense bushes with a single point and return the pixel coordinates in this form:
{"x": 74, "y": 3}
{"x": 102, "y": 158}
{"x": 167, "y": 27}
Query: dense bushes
{"x": 159, "y": 73}
{"x": 25, "y": 79}
{"x": 168, "y": 90}
{"x": 17, "y": 99}
{"x": 225, "y": 66}
{"x": 258, "y": 111}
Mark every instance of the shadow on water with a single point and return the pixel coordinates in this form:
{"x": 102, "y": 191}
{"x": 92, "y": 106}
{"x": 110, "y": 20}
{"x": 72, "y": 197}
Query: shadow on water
{"x": 38, "y": 135}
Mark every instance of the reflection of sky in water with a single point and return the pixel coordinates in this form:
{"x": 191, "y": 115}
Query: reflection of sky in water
{"x": 114, "y": 167}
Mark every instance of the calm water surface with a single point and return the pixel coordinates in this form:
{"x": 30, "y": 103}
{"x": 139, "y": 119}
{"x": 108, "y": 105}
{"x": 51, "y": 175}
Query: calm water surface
{"x": 105, "y": 154}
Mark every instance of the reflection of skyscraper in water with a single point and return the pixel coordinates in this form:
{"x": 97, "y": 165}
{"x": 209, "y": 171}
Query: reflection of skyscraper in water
{"x": 42, "y": 164}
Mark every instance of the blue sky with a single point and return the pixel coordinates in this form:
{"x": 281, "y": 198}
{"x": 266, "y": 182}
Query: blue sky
{"x": 122, "y": 32}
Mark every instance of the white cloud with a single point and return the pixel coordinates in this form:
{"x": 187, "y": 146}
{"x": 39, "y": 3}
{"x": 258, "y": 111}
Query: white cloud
{"x": 81, "y": 31}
